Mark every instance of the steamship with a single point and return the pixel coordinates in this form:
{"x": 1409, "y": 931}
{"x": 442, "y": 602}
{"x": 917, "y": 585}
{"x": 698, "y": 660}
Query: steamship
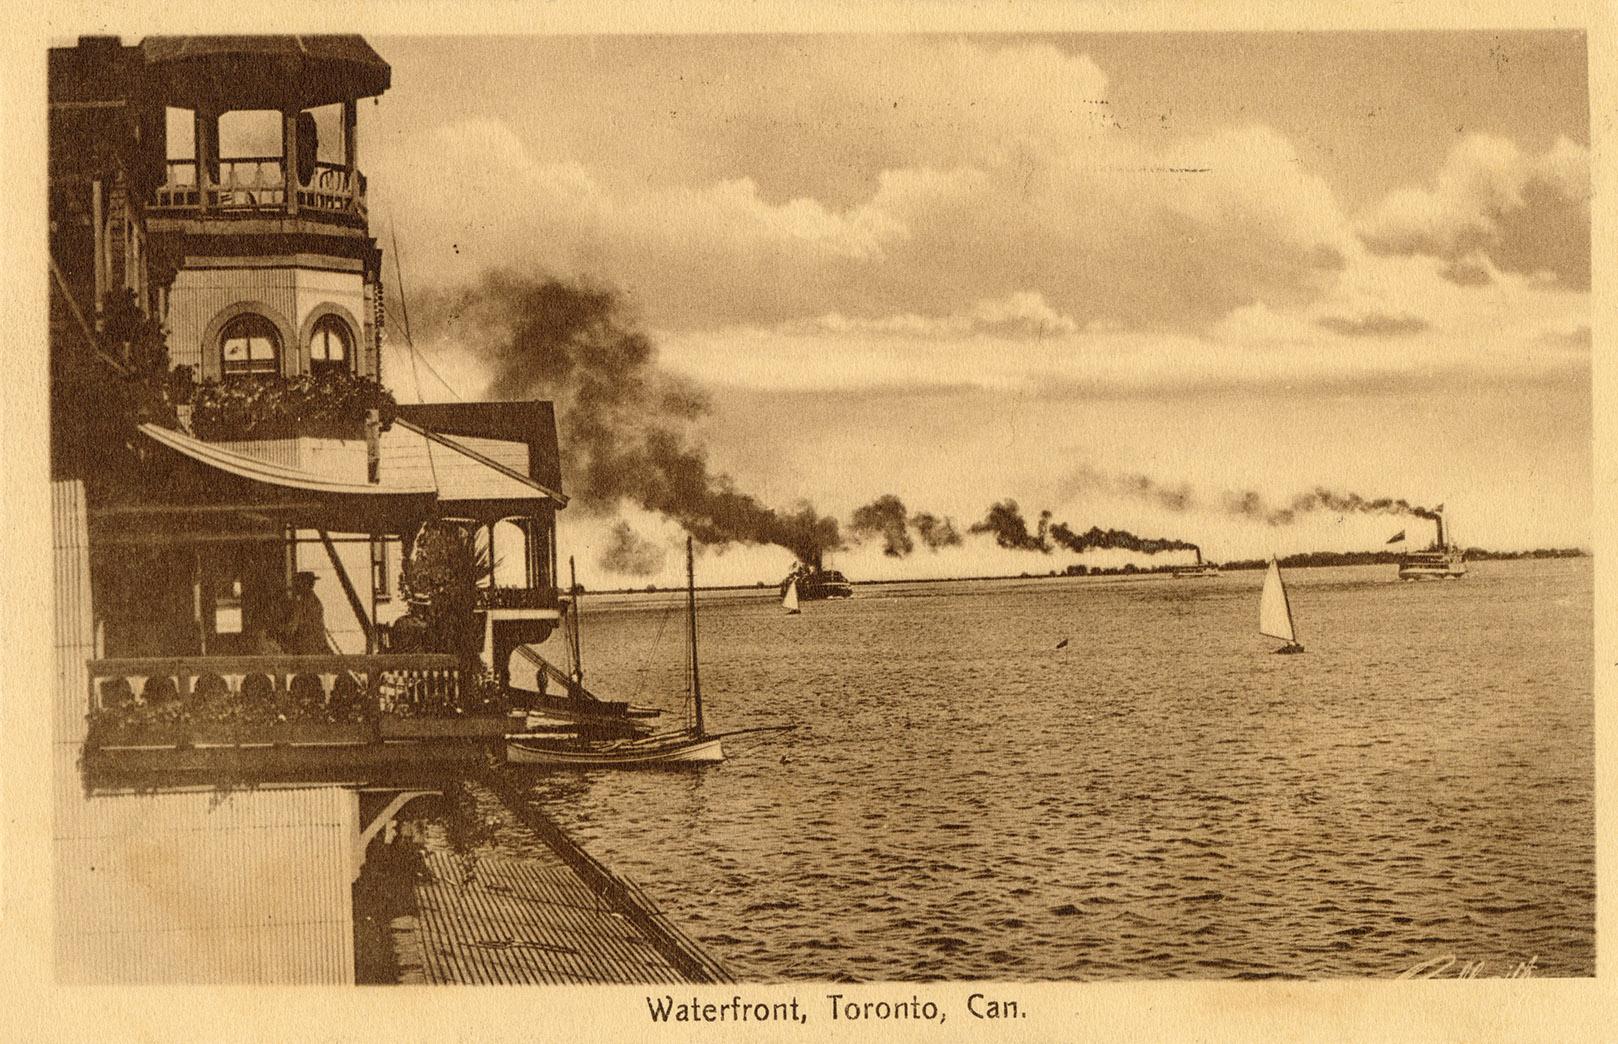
{"x": 1438, "y": 561}
{"x": 815, "y": 582}
{"x": 1201, "y": 568}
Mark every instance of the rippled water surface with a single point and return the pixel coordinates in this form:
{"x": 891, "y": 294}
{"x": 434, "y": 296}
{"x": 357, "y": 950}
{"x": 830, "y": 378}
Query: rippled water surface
{"x": 1162, "y": 798}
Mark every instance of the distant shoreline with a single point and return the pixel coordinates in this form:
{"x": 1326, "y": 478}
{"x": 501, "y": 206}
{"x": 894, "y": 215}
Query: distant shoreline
{"x": 1302, "y": 560}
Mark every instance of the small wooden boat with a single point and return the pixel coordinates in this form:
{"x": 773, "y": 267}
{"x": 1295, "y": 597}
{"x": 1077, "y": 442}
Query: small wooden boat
{"x": 690, "y": 746}
{"x": 1275, "y": 611}
{"x": 789, "y": 601}
{"x": 679, "y": 748}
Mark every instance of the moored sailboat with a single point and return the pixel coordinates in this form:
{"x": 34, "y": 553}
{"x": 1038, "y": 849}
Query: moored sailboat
{"x": 693, "y": 745}
{"x": 1275, "y": 611}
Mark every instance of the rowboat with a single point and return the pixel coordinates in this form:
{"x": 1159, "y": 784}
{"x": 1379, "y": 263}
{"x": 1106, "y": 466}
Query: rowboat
{"x": 681, "y": 748}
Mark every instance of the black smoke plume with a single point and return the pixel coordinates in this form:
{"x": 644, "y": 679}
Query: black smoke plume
{"x": 1010, "y": 530}
{"x": 623, "y": 420}
{"x": 630, "y": 553}
{"x": 1246, "y": 504}
{"x": 1096, "y": 538}
{"x": 884, "y": 517}
{"x": 887, "y": 517}
{"x": 1251, "y": 505}
{"x": 935, "y": 532}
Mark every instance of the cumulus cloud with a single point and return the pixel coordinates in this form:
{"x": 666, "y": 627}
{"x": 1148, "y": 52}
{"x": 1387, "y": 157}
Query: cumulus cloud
{"x": 1024, "y": 315}
{"x": 1373, "y": 324}
{"x": 1493, "y": 206}
{"x": 985, "y": 173}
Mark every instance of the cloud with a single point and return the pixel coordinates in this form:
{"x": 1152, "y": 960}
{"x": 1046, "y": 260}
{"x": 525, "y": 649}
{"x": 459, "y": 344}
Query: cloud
{"x": 1492, "y": 205}
{"x": 988, "y": 176}
{"x": 1373, "y": 324}
{"x": 1024, "y": 315}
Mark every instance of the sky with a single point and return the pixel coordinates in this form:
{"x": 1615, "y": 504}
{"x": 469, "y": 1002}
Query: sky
{"x": 959, "y": 269}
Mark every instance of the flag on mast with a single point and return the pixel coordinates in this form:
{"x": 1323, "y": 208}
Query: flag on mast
{"x": 1397, "y": 537}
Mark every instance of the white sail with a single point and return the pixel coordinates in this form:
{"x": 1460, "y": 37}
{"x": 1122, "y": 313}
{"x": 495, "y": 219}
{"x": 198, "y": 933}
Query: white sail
{"x": 790, "y": 601}
{"x": 1274, "y": 612}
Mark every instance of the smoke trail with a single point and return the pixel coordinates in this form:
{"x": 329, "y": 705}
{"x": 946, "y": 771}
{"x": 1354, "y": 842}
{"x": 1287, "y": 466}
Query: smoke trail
{"x": 1140, "y": 487}
{"x": 1010, "y": 530}
{"x": 935, "y": 532}
{"x": 1244, "y": 504}
{"x": 885, "y": 517}
{"x": 1096, "y": 538}
{"x": 630, "y": 553}
{"x": 1250, "y": 504}
{"x": 622, "y": 418}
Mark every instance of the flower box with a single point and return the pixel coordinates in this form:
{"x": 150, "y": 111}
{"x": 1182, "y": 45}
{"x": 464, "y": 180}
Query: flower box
{"x": 169, "y": 736}
{"x": 471, "y": 726}
{"x": 315, "y": 733}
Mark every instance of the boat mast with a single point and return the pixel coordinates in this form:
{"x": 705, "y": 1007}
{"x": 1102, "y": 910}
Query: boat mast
{"x": 573, "y": 588}
{"x": 691, "y": 627}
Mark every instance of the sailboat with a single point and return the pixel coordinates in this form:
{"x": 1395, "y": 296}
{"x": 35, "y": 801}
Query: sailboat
{"x": 789, "y": 601}
{"x": 690, "y": 746}
{"x": 1275, "y": 611}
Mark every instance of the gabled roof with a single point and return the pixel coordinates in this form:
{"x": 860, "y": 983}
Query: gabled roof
{"x": 532, "y": 423}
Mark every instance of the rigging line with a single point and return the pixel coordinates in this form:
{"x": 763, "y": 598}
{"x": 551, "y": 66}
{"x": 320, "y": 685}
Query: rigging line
{"x": 434, "y": 371}
{"x": 657, "y": 642}
{"x": 410, "y": 341}
{"x": 404, "y": 307}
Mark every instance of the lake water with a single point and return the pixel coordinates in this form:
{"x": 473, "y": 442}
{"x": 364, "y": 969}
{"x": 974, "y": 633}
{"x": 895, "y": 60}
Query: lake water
{"x": 1162, "y": 798}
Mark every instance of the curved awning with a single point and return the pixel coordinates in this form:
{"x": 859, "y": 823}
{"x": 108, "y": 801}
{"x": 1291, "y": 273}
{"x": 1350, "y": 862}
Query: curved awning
{"x": 258, "y": 470}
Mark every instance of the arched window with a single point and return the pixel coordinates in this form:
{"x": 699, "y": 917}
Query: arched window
{"x": 249, "y": 344}
{"x": 330, "y": 346}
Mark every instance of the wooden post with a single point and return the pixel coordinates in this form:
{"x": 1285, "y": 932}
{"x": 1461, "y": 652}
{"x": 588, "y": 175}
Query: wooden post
{"x": 373, "y": 701}
{"x": 201, "y": 146}
{"x": 351, "y": 178}
{"x": 373, "y": 446}
{"x": 98, "y": 219}
{"x": 289, "y": 159}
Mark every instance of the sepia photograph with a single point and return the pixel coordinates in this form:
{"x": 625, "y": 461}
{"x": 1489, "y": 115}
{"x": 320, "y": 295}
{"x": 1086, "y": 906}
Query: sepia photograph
{"x": 823, "y": 515}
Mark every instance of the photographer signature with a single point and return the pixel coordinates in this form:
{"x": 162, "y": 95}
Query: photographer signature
{"x": 1441, "y": 968}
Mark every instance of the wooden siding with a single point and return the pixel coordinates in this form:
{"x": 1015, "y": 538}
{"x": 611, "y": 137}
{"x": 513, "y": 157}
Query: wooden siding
{"x": 73, "y": 630}
{"x": 250, "y": 887}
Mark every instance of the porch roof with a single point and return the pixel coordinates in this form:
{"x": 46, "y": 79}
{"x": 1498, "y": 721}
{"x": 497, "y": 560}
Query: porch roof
{"x": 324, "y": 483}
{"x": 257, "y": 469}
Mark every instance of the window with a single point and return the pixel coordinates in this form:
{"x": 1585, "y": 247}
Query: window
{"x": 330, "y": 347}
{"x": 227, "y": 606}
{"x": 250, "y": 344}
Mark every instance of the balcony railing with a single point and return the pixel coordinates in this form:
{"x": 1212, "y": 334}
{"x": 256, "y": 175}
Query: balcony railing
{"x": 517, "y": 598}
{"x": 255, "y": 185}
{"x": 143, "y": 707}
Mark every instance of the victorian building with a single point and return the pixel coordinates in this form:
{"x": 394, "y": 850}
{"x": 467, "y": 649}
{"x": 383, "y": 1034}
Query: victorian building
{"x": 222, "y": 435}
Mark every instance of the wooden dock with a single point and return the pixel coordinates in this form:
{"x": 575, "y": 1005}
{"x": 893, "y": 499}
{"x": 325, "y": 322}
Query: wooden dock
{"x": 551, "y": 915}
{"x": 519, "y": 922}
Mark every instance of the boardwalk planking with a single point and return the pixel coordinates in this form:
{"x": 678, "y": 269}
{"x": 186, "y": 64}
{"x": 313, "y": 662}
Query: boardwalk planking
{"x": 526, "y": 921}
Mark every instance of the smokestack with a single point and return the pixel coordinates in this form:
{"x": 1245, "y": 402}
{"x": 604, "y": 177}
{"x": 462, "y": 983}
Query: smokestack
{"x": 1438, "y": 516}
{"x": 816, "y": 563}
{"x": 1198, "y": 550}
